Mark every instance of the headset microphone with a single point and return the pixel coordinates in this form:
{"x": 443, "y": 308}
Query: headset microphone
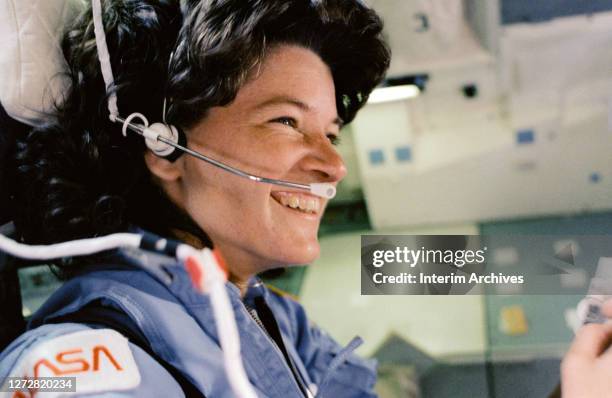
{"x": 169, "y": 141}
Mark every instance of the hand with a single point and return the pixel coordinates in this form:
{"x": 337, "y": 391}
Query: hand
{"x": 586, "y": 370}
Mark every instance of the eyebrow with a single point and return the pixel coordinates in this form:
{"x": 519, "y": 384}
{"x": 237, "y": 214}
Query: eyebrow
{"x": 282, "y": 99}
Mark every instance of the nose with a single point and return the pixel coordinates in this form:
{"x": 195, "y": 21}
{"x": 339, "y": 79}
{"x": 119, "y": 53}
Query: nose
{"x": 324, "y": 160}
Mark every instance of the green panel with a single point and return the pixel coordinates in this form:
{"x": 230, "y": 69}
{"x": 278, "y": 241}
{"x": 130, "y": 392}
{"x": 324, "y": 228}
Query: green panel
{"x": 548, "y": 332}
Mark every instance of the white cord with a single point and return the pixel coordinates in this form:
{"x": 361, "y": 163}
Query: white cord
{"x": 213, "y": 283}
{"x": 82, "y": 247}
{"x": 104, "y": 57}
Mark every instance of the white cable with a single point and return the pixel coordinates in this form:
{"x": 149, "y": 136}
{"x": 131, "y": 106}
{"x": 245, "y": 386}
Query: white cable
{"x": 213, "y": 283}
{"x": 104, "y": 57}
{"x": 82, "y": 247}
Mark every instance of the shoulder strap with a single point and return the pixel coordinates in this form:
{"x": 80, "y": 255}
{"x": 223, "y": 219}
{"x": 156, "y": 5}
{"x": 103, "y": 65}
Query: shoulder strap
{"x": 97, "y": 314}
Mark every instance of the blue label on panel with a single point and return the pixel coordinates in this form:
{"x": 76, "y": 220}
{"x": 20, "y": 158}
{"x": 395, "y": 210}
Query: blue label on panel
{"x": 525, "y": 137}
{"x": 403, "y": 154}
{"x": 595, "y": 177}
{"x": 377, "y": 156}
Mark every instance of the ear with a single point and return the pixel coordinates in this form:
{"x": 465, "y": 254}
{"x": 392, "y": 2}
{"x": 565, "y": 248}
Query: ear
{"x": 162, "y": 168}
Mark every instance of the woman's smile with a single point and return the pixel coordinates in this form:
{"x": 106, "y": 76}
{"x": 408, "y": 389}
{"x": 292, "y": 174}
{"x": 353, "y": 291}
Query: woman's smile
{"x": 300, "y": 203}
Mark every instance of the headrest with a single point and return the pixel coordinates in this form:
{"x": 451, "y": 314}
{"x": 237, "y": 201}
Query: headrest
{"x": 31, "y": 60}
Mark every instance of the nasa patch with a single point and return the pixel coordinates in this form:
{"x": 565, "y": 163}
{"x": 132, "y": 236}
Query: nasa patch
{"x": 100, "y": 359}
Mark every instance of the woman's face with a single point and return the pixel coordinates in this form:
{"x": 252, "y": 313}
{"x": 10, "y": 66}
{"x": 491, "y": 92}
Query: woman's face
{"x": 282, "y": 125}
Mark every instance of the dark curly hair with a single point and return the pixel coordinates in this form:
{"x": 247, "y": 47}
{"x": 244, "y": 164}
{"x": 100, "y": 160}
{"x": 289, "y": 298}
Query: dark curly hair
{"x": 79, "y": 177}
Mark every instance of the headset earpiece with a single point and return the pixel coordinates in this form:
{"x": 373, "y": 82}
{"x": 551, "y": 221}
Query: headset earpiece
{"x": 182, "y": 141}
{"x": 169, "y": 132}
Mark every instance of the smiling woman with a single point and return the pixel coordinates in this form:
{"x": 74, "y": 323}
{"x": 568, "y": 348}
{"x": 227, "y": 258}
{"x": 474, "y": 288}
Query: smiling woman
{"x": 263, "y": 86}
{"x": 281, "y": 124}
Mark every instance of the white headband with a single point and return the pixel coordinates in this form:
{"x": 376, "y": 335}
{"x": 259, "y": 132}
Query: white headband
{"x": 104, "y": 57}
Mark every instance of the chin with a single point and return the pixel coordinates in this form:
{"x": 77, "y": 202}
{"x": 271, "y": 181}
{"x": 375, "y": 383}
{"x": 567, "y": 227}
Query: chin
{"x": 311, "y": 255}
{"x": 304, "y": 256}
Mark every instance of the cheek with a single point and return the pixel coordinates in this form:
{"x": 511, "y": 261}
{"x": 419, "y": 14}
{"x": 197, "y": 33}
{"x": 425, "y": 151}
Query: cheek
{"x": 223, "y": 204}
{"x": 274, "y": 155}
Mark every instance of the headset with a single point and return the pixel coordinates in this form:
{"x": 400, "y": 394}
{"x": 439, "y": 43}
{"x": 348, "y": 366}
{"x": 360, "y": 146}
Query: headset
{"x": 164, "y": 139}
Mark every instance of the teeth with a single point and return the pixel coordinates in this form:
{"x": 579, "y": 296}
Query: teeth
{"x": 311, "y": 205}
{"x": 306, "y": 204}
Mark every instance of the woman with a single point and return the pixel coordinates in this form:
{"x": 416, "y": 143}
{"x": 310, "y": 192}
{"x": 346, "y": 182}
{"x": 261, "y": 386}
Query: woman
{"x": 264, "y": 86}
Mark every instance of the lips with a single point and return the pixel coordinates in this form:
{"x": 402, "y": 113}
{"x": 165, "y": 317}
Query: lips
{"x": 305, "y": 203}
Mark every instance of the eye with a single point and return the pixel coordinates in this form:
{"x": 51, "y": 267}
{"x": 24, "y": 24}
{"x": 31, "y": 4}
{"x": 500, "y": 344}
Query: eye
{"x": 334, "y": 139}
{"x": 286, "y": 120}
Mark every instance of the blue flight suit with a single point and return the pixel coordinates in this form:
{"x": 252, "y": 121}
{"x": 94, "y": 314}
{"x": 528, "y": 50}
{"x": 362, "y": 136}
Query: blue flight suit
{"x": 156, "y": 293}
